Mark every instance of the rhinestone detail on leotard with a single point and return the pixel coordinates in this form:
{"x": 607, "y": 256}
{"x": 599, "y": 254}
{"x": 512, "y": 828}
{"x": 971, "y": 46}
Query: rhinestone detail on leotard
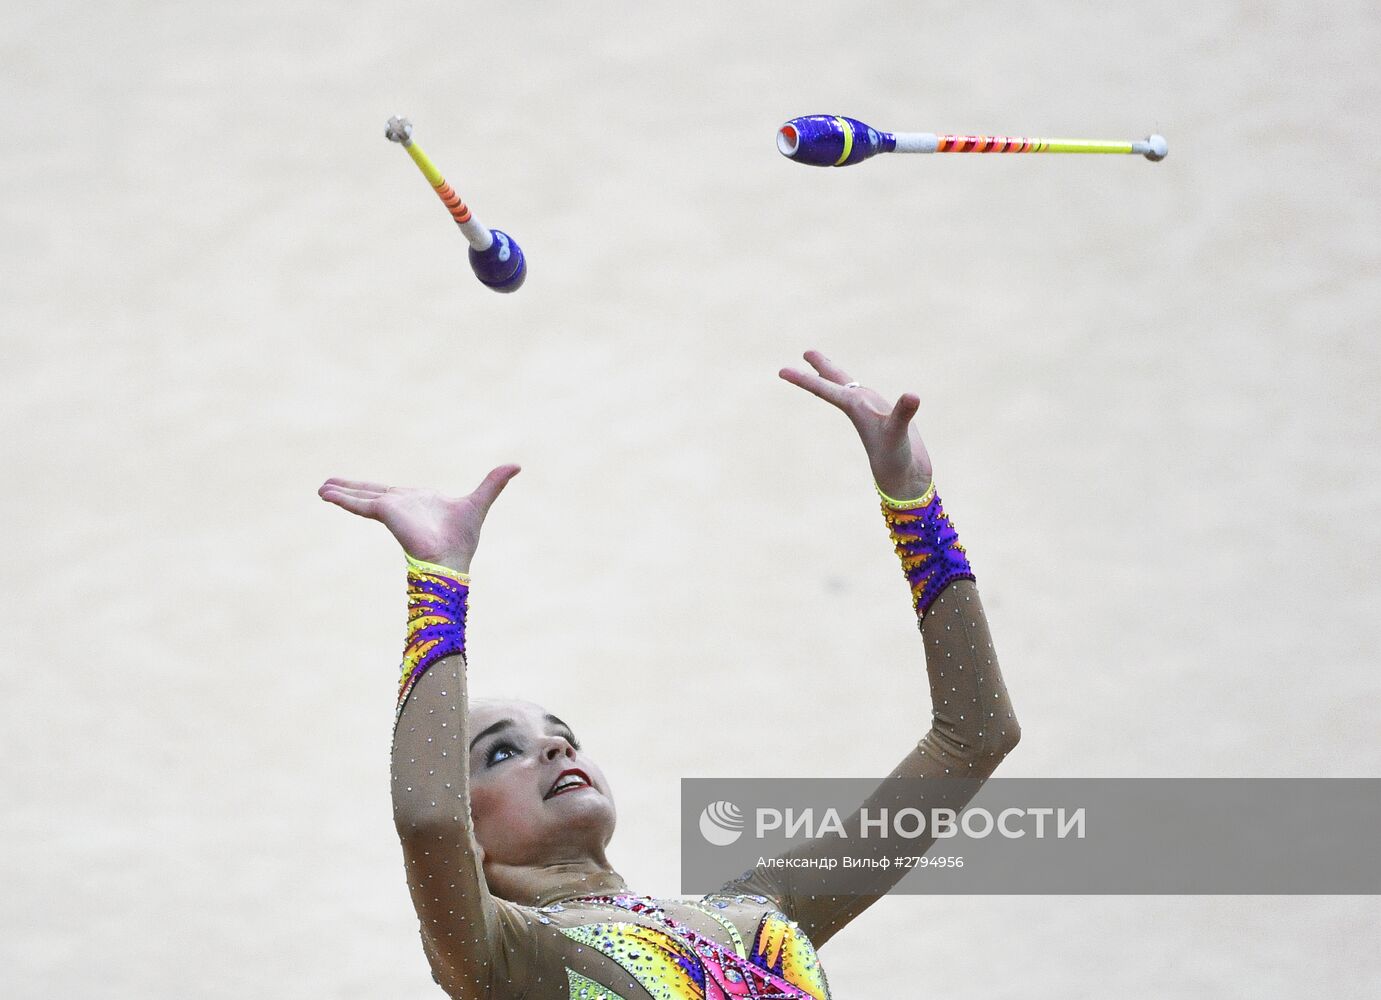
{"x": 673, "y": 962}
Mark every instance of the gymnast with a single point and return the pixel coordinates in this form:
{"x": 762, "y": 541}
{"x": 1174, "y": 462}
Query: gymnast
{"x": 504, "y": 819}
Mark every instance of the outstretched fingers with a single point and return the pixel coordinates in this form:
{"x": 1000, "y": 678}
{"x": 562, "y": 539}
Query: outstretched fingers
{"x": 827, "y": 368}
{"x": 832, "y": 383}
{"x": 826, "y": 390}
{"x": 363, "y": 494}
{"x": 356, "y": 484}
{"x": 351, "y": 500}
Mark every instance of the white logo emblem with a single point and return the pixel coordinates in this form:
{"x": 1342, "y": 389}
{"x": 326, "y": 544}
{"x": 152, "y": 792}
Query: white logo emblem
{"x": 721, "y": 823}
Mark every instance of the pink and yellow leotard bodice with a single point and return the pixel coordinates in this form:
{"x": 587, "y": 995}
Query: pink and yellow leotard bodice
{"x": 671, "y": 961}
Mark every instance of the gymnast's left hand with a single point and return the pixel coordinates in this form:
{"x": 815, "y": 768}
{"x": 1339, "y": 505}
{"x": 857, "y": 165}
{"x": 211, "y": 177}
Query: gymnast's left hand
{"x": 900, "y": 463}
{"x": 428, "y": 524}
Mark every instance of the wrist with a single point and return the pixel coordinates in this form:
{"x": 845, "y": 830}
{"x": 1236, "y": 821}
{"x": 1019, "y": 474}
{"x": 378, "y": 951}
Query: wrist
{"x": 915, "y": 495}
{"x": 912, "y": 485}
{"x": 454, "y": 564}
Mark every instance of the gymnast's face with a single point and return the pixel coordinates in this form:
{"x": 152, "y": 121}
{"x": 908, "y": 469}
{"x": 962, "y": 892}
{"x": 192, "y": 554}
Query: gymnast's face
{"x": 534, "y": 797}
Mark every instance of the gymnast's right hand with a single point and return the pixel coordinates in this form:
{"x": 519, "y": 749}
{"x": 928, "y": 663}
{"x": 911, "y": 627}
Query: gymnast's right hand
{"x": 428, "y": 524}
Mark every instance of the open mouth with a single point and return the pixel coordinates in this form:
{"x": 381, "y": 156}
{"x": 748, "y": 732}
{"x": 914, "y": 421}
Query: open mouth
{"x": 568, "y": 781}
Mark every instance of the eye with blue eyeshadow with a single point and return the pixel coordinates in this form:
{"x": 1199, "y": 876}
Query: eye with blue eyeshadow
{"x": 502, "y": 745}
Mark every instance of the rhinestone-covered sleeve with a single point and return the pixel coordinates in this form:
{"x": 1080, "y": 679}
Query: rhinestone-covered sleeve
{"x": 469, "y": 937}
{"x": 927, "y": 545}
{"x": 438, "y": 600}
{"x": 971, "y": 729}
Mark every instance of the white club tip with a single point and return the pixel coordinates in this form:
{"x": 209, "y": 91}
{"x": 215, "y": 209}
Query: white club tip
{"x": 399, "y": 129}
{"x": 1159, "y": 147}
{"x": 788, "y": 140}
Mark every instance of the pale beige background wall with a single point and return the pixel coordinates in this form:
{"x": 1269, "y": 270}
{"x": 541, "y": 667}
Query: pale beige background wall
{"x": 1150, "y": 391}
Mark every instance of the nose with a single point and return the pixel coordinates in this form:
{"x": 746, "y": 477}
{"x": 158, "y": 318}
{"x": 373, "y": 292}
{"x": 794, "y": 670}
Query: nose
{"x": 557, "y": 746}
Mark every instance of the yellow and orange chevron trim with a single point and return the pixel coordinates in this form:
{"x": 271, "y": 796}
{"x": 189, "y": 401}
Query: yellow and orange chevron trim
{"x": 987, "y": 144}
{"x": 1013, "y": 144}
{"x": 453, "y": 204}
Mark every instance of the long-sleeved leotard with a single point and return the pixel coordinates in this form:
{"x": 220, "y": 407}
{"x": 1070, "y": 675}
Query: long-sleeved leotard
{"x": 756, "y": 937}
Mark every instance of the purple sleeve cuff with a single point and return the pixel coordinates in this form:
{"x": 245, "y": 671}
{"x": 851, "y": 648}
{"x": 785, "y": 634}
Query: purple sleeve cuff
{"x": 928, "y": 546}
{"x": 438, "y": 599}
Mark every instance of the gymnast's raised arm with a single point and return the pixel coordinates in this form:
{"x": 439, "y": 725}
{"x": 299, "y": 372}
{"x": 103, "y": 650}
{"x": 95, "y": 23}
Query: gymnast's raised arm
{"x": 463, "y": 926}
{"x": 972, "y": 726}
